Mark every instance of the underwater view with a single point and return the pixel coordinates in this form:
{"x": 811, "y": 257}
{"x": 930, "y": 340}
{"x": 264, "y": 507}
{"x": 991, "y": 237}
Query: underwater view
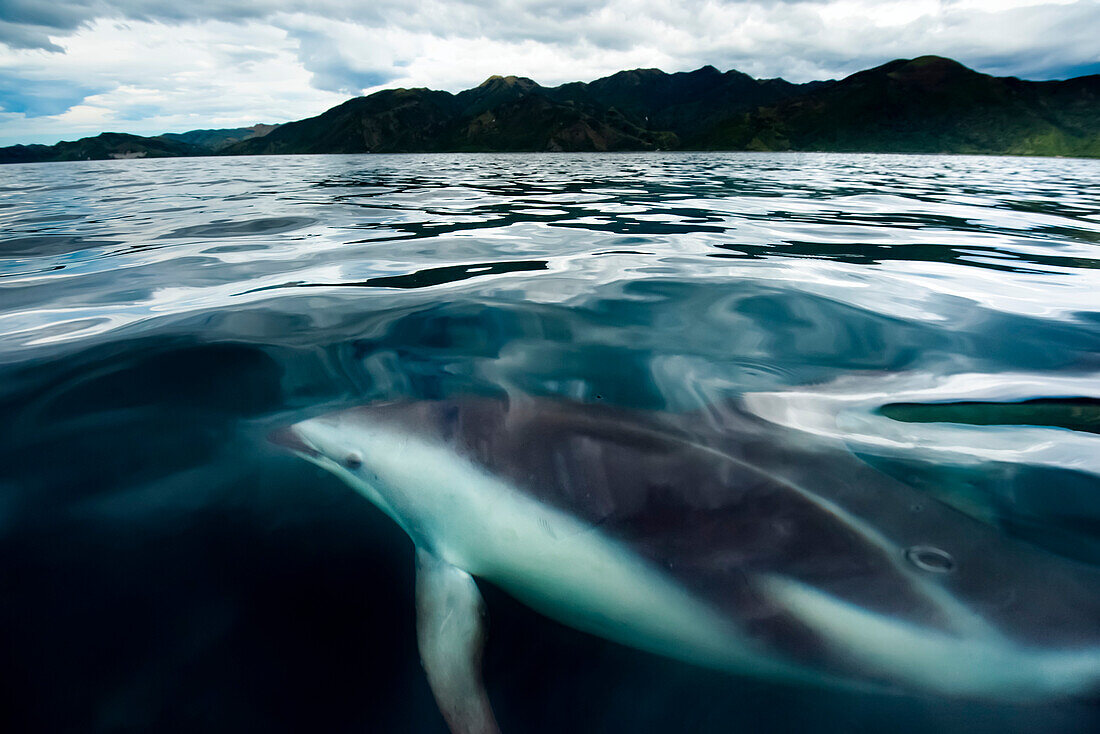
{"x": 640, "y": 442}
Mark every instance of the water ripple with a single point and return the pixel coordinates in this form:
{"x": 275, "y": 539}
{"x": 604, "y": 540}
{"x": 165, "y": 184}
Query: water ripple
{"x": 936, "y": 317}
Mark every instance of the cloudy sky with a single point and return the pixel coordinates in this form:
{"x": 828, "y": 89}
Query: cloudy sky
{"x": 70, "y": 68}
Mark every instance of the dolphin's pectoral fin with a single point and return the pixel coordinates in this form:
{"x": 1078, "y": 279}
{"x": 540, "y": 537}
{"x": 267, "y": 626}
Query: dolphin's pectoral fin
{"x": 450, "y": 629}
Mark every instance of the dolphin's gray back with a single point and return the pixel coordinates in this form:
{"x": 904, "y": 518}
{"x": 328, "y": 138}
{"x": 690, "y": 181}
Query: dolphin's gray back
{"x": 723, "y": 505}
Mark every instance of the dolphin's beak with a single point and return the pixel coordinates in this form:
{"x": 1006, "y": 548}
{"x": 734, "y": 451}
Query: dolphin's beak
{"x": 289, "y": 438}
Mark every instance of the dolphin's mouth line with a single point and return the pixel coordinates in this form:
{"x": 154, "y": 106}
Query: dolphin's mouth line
{"x": 288, "y": 438}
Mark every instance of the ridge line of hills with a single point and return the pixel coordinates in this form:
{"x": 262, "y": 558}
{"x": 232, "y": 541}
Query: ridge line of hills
{"x": 925, "y": 105}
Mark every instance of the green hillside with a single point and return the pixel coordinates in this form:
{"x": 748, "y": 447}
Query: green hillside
{"x": 924, "y": 105}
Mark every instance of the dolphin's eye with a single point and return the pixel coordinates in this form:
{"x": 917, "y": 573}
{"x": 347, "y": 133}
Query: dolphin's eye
{"x": 927, "y": 558}
{"x": 353, "y": 460}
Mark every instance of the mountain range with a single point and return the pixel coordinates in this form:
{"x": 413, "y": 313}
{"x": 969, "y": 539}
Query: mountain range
{"x": 924, "y": 105}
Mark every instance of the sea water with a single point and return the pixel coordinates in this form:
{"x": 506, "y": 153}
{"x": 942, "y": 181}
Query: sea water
{"x": 164, "y": 568}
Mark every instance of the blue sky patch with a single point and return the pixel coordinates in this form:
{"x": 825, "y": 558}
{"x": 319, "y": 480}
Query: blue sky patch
{"x": 39, "y": 98}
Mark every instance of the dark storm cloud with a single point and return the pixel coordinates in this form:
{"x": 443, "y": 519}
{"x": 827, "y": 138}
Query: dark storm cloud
{"x": 15, "y": 35}
{"x": 542, "y": 20}
{"x": 68, "y": 15}
{"x": 794, "y": 30}
{"x": 65, "y": 16}
{"x": 331, "y": 71}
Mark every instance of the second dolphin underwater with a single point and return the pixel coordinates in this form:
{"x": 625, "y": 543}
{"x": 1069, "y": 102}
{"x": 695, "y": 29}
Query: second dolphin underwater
{"x": 731, "y": 544}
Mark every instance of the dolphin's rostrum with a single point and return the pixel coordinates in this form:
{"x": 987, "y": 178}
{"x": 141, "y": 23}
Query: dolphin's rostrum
{"x": 740, "y": 546}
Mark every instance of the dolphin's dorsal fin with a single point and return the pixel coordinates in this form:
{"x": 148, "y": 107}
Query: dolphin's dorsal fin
{"x": 450, "y": 629}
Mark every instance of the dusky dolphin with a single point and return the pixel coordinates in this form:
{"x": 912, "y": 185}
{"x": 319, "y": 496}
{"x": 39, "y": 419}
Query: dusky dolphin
{"x": 722, "y": 542}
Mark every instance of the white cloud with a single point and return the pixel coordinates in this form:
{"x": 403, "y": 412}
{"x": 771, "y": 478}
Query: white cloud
{"x": 155, "y": 66}
{"x": 159, "y": 78}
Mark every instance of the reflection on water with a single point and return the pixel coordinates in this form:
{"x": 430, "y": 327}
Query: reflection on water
{"x": 1076, "y": 414}
{"x": 166, "y": 569}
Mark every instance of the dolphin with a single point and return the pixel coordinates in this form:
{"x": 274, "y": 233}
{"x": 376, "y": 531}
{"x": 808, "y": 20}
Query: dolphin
{"x": 724, "y": 541}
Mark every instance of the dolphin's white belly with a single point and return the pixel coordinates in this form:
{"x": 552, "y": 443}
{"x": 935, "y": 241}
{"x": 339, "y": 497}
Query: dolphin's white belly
{"x": 559, "y": 566}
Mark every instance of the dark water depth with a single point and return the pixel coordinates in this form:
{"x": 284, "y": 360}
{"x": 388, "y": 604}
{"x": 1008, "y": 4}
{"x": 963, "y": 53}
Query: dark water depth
{"x": 163, "y": 568}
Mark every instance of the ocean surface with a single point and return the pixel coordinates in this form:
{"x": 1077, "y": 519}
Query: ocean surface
{"x": 164, "y": 568}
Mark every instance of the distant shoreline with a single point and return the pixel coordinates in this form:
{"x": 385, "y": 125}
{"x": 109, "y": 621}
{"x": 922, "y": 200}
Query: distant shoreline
{"x": 928, "y": 105}
{"x": 520, "y": 153}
